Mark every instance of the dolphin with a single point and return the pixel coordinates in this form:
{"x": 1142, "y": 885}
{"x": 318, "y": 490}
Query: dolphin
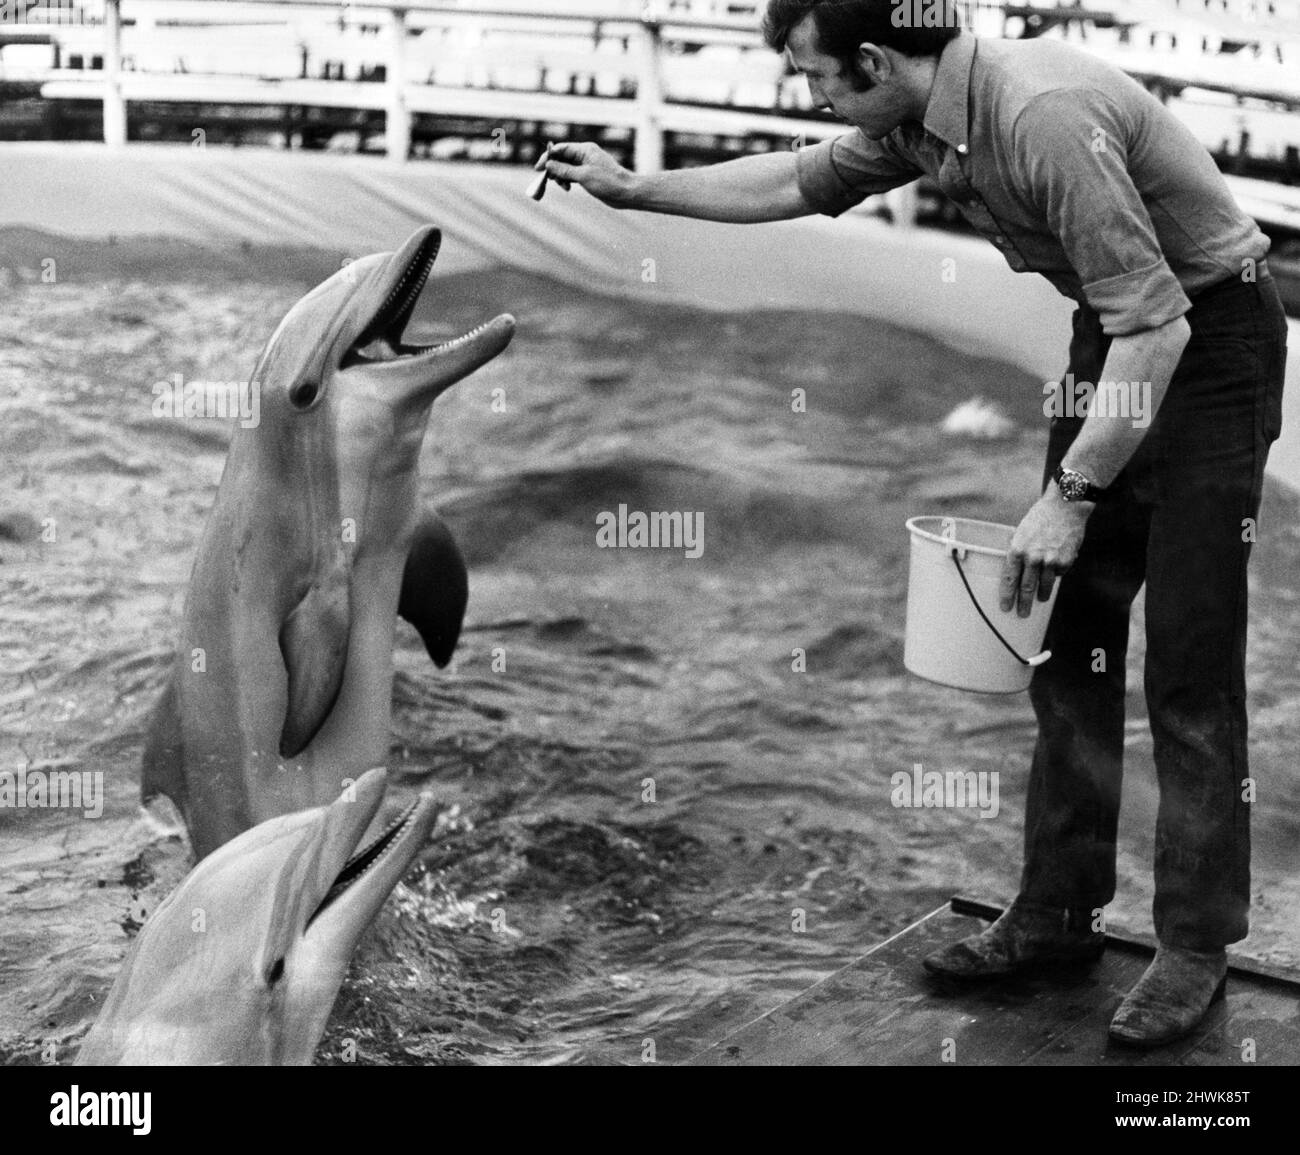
{"x": 282, "y": 682}
{"x": 241, "y": 963}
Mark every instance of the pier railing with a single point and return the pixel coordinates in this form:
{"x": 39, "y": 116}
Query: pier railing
{"x": 650, "y": 71}
{"x": 642, "y": 70}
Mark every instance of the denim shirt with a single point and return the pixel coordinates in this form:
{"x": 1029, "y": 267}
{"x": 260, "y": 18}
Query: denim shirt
{"x": 1069, "y": 166}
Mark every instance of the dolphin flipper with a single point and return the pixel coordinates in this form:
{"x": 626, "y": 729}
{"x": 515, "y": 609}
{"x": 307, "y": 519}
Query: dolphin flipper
{"x": 435, "y": 588}
{"x": 314, "y": 644}
{"x": 163, "y": 770}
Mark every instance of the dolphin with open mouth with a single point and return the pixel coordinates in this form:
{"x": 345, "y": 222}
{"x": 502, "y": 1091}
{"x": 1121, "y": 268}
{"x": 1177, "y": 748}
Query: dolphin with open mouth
{"x": 241, "y": 963}
{"x": 282, "y": 682}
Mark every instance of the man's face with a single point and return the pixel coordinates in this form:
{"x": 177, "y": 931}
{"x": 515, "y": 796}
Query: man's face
{"x": 877, "y": 111}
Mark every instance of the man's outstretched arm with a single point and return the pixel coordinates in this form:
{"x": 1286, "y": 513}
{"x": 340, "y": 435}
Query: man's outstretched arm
{"x": 744, "y": 191}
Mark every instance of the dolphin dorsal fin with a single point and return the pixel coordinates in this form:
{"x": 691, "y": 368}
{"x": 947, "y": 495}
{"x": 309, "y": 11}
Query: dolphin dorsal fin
{"x": 435, "y": 588}
{"x": 162, "y": 766}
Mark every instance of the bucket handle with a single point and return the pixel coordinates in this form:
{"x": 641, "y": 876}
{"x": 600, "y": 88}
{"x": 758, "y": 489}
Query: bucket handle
{"x": 954, "y": 549}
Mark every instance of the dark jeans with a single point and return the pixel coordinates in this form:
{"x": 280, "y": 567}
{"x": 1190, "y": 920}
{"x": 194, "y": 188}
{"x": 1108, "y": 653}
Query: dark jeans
{"x": 1176, "y": 519}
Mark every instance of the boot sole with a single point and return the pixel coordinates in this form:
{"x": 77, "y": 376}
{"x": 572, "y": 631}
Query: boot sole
{"x": 1055, "y": 963}
{"x": 1146, "y": 1044}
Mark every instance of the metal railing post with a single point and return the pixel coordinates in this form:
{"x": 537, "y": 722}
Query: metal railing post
{"x": 649, "y": 149}
{"x": 397, "y": 118}
{"x": 114, "y": 105}
{"x": 903, "y": 203}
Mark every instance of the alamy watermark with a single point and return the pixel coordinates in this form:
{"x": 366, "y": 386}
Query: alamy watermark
{"x": 208, "y": 400}
{"x": 1070, "y": 398}
{"x": 933, "y": 13}
{"x": 53, "y": 789}
{"x": 41, "y": 12}
{"x": 657, "y": 530}
{"x": 77, "y": 1108}
{"x": 949, "y": 789}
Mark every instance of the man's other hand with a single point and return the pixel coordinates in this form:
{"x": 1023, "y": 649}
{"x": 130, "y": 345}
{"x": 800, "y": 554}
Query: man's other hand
{"x": 1045, "y": 546}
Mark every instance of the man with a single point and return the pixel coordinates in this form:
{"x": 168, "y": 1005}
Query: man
{"x": 1073, "y": 171}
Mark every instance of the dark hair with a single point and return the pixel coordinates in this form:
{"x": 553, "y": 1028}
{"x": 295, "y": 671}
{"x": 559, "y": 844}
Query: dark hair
{"x": 842, "y": 25}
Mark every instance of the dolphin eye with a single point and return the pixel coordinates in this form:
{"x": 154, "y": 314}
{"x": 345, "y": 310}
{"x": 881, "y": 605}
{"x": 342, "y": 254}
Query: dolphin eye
{"x": 304, "y": 393}
{"x": 276, "y": 973}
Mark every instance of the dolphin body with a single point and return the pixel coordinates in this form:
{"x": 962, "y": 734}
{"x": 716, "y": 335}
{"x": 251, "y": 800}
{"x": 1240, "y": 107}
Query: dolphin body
{"x": 241, "y": 963}
{"x": 282, "y": 682}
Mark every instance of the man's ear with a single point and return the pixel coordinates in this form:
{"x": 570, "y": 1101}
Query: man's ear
{"x": 874, "y": 63}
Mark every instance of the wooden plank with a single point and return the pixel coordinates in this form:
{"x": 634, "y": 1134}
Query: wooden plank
{"x": 1250, "y": 1011}
{"x": 1017, "y": 1019}
{"x": 1086, "y": 1042}
{"x": 885, "y": 1009}
{"x": 787, "y": 1029}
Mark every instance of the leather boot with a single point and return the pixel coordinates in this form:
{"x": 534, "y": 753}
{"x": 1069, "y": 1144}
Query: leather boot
{"x": 1026, "y": 937}
{"x": 1171, "y": 998}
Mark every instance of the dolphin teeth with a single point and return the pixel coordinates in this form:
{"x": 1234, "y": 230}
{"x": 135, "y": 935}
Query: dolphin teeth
{"x": 400, "y": 303}
{"x": 367, "y": 858}
{"x": 467, "y": 337}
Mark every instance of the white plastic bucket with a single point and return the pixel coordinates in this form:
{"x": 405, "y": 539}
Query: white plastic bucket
{"x": 948, "y": 641}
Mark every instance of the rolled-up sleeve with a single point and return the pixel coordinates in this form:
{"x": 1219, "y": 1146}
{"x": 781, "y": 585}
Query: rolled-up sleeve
{"x": 1071, "y": 150}
{"x": 836, "y": 174}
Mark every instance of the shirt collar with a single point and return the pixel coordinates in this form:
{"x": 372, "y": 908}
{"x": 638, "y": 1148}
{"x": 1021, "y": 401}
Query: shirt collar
{"x": 947, "y": 116}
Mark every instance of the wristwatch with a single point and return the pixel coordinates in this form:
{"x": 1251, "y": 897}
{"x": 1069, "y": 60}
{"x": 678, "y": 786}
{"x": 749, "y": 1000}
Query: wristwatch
{"x": 1075, "y": 487}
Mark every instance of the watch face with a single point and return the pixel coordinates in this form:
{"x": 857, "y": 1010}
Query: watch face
{"x": 1074, "y": 486}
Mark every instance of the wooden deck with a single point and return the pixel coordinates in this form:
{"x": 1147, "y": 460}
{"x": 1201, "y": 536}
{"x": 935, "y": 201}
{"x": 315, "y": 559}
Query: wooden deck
{"x": 884, "y": 1010}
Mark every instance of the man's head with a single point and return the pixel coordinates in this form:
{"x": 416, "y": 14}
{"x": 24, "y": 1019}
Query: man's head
{"x": 870, "y": 62}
